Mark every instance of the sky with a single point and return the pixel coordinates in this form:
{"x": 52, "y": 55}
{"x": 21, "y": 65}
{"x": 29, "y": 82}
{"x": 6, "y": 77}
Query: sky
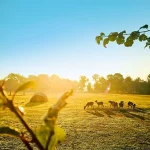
{"x": 58, "y": 37}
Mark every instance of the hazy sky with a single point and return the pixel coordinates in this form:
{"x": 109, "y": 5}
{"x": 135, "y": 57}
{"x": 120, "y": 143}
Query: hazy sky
{"x": 47, "y": 37}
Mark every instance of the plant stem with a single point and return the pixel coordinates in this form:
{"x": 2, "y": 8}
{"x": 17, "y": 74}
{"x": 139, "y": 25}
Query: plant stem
{"x": 26, "y": 144}
{"x": 12, "y": 107}
{"x": 18, "y": 114}
{"x": 49, "y": 139}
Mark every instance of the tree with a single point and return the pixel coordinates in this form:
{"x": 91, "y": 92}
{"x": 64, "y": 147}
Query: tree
{"x": 136, "y": 85}
{"x": 148, "y": 78}
{"x": 82, "y": 83}
{"x": 43, "y": 82}
{"x": 11, "y": 85}
{"x": 95, "y": 77}
{"x": 89, "y": 87}
{"x": 128, "y": 88}
{"x": 125, "y": 38}
{"x": 103, "y": 84}
{"x": 13, "y": 81}
{"x": 20, "y": 78}
{"x": 118, "y": 82}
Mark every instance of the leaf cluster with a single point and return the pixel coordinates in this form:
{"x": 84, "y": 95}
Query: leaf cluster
{"x": 124, "y": 38}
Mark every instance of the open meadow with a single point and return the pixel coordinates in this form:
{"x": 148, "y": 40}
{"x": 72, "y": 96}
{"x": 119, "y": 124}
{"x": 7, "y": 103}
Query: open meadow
{"x": 90, "y": 129}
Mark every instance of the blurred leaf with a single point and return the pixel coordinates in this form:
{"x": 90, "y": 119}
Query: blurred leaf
{"x": 43, "y": 133}
{"x": 9, "y": 131}
{"x": 51, "y": 116}
{"x": 58, "y": 137}
{"x": 29, "y": 84}
{"x": 105, "y": 42}
{"x": 142, "y": 37}
{"x": 144, "y": 27}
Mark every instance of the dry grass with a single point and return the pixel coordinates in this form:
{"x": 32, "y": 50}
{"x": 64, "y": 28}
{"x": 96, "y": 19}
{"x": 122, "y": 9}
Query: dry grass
{"x": 90, "y": 129}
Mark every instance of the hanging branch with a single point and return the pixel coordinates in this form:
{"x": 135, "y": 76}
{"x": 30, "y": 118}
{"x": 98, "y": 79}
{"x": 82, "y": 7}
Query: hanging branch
{"x": 125, "y": 38}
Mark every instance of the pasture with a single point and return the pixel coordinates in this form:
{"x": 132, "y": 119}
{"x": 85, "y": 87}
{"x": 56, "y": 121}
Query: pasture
{"x": 90, "y": 129}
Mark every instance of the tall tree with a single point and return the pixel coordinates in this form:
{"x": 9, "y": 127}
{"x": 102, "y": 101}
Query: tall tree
{"x": 128, "y": 85}
{"x": 118, "y": 82}
{"x": 89, "y": 87}
{"x": 82, "y": 83}
{"x": 96, "y": 82}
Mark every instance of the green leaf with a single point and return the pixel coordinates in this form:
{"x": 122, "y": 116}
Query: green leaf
{"x": 135, "y": 35}
{"x": 148, "y": 39}
{"x": 105, "y": 42}
{"x": 147, "y": 44}
{"x": 58, "y": 137}
{"x": 121, "y": 33}
{"x": 129, "y": 42}
{"x": 102, "y": 34}
{"x": 142, "y": 37}
{"x": 9, "y": 131}
{"x": 144, "y": 27}
{"x": 120, "y": 40}
{"x": 98, "y": 39}
{"x": 112, "y": 36}
{"x": 43, "y": 133}
{"x": 29, "y": 84}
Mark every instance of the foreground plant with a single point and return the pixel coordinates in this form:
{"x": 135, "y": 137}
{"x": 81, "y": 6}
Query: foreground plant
{"x": 46, "y": 136}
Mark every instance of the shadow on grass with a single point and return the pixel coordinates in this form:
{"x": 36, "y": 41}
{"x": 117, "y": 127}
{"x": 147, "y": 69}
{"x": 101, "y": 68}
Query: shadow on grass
{"x": 95, "y": 112}
{"x": 129, "y": 113}
{"x": 108, "y": 112}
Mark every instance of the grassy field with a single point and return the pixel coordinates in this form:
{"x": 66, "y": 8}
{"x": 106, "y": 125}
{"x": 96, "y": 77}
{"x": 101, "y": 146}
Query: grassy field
{"x": 90, "y": 129}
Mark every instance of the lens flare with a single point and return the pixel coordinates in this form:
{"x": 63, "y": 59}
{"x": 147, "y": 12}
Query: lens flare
{"x": 107, "y": 89}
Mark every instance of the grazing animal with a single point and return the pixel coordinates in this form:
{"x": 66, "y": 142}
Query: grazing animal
{"x": 89, "y": 104}
{"x": 134, "y": 105}
{"x": 99, "y": 103}
{"x": 121, "y": 104}
{"x": 113, "y": 104}
{"x": 131, "y": 104}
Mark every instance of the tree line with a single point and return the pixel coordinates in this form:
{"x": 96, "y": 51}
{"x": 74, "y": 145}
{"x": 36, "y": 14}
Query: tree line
{"x": 113, "y": 83}
{"x": 44, "y": 83}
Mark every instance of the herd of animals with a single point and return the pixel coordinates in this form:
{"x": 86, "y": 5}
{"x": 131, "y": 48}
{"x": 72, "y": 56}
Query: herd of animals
{"x": 112, "y": 104}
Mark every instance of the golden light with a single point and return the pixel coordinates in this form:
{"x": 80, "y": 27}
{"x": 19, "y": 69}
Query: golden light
{"x": 108, "y": 88}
